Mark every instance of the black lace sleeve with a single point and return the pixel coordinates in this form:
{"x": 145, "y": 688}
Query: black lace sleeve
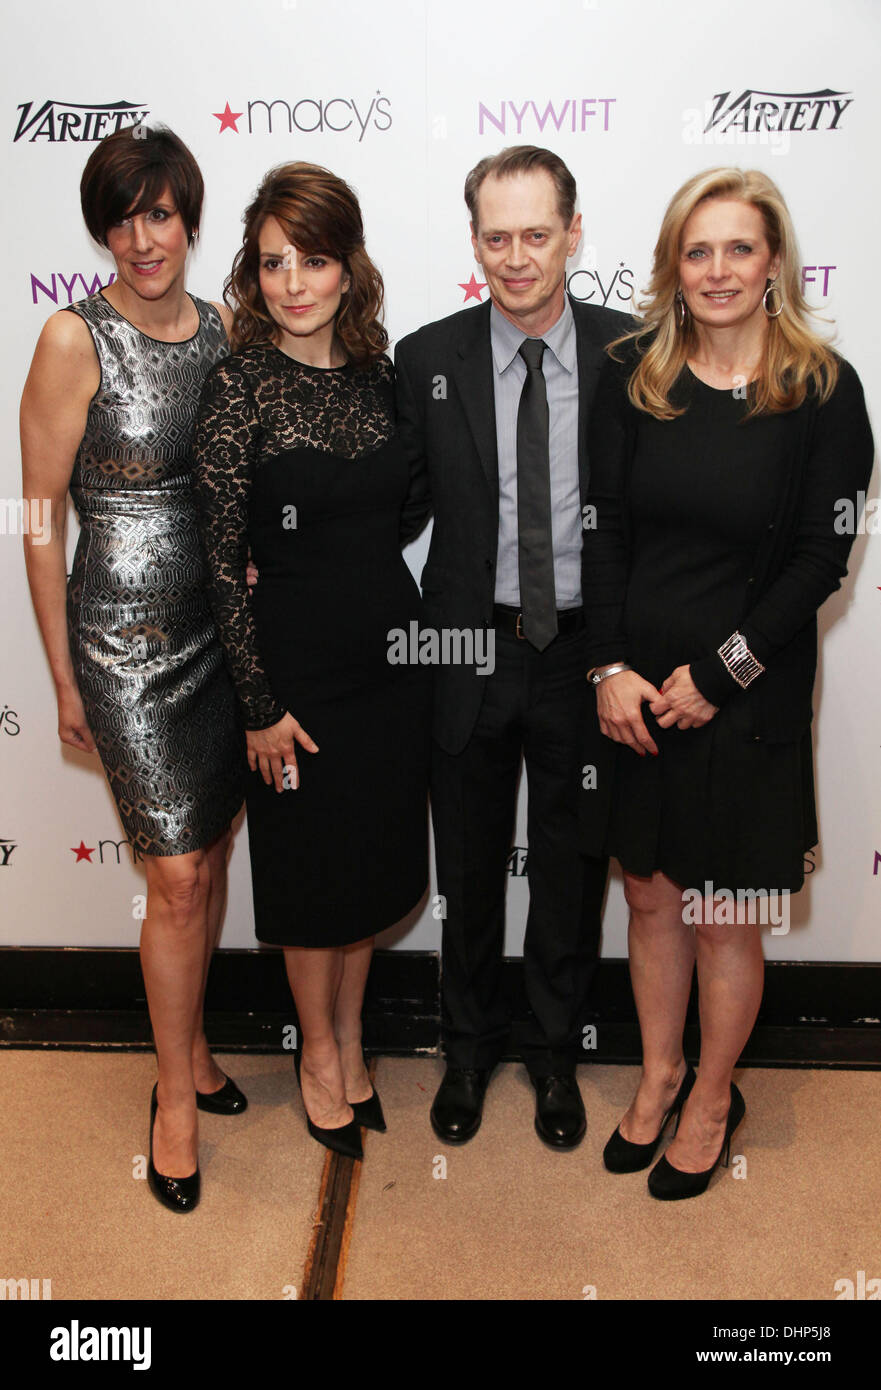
{"x": 225, "y": 449}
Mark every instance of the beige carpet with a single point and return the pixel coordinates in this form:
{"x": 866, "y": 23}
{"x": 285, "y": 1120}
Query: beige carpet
{"x": 511, "y": 1218}
{"x": 514, "y": 1219}
{"x": 73, "y": 1124}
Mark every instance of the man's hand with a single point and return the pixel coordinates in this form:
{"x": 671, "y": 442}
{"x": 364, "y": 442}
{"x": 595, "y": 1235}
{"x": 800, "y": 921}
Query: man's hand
{"x": 681, "y": 703}
{"x": 619, "y": 706}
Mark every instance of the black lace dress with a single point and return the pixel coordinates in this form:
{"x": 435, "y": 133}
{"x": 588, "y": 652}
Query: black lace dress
{"x": 302, "y": 465}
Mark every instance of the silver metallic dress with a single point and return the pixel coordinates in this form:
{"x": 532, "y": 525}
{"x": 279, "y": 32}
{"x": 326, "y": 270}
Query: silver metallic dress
{"x": 146, "y": 654}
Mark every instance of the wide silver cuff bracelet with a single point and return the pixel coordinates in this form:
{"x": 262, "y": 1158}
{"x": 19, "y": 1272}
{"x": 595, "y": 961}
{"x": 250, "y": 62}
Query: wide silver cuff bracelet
{"x": 739, "y": 661}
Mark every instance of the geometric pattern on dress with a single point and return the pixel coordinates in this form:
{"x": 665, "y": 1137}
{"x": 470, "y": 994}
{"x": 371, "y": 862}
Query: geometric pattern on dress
{"x": 146, "y": 654}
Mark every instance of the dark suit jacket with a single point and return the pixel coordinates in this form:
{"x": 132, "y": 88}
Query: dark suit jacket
{"x": 446, "y": 420}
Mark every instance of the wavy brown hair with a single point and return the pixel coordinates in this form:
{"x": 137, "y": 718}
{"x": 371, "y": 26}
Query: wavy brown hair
{"x": 320, "y": 215}
{"x": 795, "y": 359}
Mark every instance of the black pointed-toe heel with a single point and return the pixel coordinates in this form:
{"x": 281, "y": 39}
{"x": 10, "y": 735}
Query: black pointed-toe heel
{"x": 346, "y": 1140}
{"x": 229, "y": 1100}
{"x": 369, "y": 1112}
{"x": 622, "y": 1156}
{"x": 669, "y": 1184}
{"x": 178, "y": 1194}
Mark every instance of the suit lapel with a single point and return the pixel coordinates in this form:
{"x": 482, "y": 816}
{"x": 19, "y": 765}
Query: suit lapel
{"x": 590, "y": 361}
{"x": 474, "y": 380}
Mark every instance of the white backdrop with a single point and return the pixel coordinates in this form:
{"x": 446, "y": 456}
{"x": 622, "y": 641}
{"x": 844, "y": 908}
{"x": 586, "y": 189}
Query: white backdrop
{"x": 402, "y": 97}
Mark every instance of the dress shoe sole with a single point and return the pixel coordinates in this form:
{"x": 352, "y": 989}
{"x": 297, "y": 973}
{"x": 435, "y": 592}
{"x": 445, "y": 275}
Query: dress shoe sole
{"x": 677, "y": 1196}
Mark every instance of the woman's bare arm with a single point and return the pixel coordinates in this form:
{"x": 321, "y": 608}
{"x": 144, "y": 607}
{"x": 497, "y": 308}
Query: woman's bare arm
{"x": 63, "y": 378}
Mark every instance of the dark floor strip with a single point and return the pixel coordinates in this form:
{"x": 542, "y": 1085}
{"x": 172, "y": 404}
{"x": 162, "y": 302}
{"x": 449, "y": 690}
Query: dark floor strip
{"x": 325, "y": 1268}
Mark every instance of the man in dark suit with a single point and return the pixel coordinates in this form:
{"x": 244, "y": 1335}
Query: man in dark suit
{"x": 493, "y": 404}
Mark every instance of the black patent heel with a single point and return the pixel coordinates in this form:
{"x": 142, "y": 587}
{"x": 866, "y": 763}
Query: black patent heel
{"x": 345, "y": 1140}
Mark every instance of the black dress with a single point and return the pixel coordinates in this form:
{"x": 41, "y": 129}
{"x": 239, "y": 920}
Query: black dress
{"x": 302, "y": 464}
{"x": 716, "y": 805}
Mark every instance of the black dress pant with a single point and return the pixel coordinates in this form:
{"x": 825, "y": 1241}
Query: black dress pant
{"x": 534, "y": 704}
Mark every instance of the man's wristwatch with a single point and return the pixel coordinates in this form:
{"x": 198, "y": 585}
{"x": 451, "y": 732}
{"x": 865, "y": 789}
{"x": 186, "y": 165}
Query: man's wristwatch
{"x": 595, "y": 676}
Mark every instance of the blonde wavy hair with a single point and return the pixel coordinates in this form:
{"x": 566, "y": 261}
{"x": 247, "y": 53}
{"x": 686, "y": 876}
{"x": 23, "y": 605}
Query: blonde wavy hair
{"x": 796, "y": 358}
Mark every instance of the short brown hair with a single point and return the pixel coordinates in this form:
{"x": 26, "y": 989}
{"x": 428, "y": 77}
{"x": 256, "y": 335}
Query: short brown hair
{"x": 127, "y": 172}
{"x": 522, "y": 159}
{"x": 319, "y": 213}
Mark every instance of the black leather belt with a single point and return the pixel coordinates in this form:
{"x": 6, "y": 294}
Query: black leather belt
{"x": 508, "y": 620}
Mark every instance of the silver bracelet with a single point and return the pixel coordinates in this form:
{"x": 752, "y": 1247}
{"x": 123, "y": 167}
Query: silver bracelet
{"x": 739, "y": 661}
{"x": 610, "y": 671}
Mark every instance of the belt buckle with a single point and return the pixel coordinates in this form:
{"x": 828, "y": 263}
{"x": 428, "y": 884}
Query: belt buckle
{"x": 518, "y": 631}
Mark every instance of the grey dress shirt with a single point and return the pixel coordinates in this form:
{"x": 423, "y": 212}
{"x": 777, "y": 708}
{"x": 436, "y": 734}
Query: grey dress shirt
{"x": 560, "y": 368}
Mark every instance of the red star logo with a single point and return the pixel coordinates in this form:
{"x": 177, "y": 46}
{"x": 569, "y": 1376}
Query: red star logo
{"x": 82, "y": 852}
{"x": 227, "y": 119}
{"x": 472, "y": 288}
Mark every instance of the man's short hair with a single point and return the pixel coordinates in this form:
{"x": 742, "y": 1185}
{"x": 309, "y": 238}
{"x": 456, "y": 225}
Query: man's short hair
{"x": 522, "y": 159}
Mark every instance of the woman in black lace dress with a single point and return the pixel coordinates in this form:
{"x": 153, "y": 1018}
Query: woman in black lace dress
{"x": 297, "y": 458}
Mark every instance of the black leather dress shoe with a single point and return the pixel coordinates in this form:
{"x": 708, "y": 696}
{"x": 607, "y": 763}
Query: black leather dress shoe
{"x": 458, "y": 1105}
{"x": 229, "y": 1100}
{"x": 559, "y": 1111}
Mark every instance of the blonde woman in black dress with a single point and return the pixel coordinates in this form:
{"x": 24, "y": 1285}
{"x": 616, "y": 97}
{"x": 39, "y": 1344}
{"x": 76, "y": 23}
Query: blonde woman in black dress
{"x": 107, "y": 414}
{"x": 721, "y": 440}
{"x": 297, "y": 459}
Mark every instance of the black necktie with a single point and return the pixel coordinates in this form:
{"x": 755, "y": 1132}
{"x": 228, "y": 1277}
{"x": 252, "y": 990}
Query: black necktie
{"x": 538, "y": 600}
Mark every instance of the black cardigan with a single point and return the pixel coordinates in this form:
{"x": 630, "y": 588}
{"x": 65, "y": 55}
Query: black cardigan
{"x": 799, "y": 563}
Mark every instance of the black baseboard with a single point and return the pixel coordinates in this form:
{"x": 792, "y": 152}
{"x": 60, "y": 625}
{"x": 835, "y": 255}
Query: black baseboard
{"x": 813, "y": 1014}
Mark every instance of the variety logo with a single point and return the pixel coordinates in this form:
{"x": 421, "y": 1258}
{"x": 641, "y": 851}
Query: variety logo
{"x": 573, "y": 114}
{"x": 308, "y": 116}
{"x": 62, "y": 286}
{"x": 755, "y": 111}
{"x": 57, "y": 121}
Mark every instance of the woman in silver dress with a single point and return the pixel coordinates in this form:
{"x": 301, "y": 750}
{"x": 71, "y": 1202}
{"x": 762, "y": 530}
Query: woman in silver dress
{"x": 107, "y": 414}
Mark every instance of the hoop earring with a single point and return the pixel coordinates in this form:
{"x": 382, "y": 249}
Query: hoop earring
{"x": 772, "y": 286}
{"x": 681, "y": 302}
